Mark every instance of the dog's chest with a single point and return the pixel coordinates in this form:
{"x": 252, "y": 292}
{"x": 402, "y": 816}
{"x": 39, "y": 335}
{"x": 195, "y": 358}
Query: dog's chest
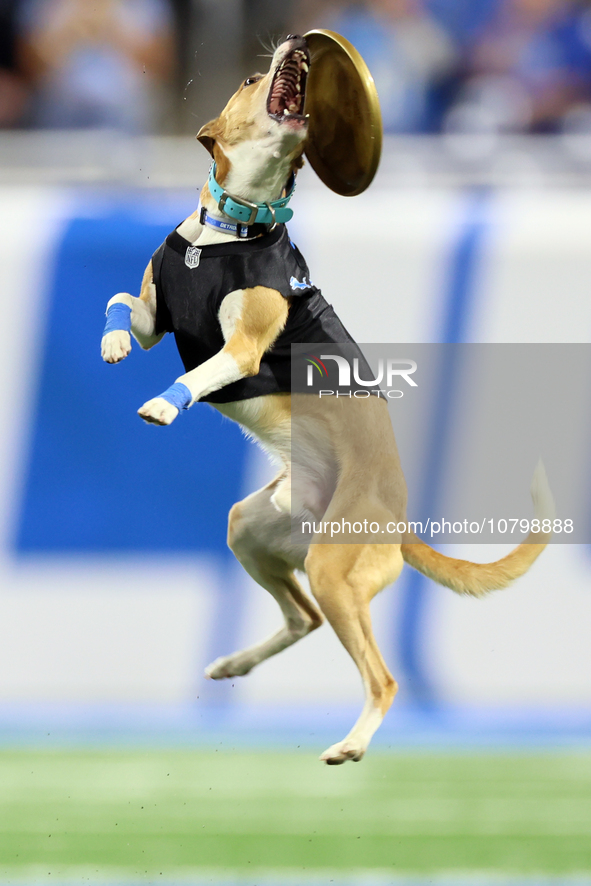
{"x": 192, "y": 282}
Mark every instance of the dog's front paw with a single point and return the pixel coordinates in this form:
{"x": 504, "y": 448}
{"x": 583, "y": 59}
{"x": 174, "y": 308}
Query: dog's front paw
{"x": 158, "y": 411}
{"x": 115, "y": 346}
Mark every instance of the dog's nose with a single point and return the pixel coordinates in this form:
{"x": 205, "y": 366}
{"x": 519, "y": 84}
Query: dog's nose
{"x": 293, "y": 37}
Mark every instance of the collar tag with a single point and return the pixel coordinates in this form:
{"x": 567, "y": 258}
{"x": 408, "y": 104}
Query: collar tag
{"x": 239, "y": 230}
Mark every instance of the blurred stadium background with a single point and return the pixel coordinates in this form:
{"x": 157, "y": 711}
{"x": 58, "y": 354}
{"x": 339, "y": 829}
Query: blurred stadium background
{"x": 118, "y": 761}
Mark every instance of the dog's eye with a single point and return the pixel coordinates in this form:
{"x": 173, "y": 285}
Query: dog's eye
{"x": 254, "y": 79}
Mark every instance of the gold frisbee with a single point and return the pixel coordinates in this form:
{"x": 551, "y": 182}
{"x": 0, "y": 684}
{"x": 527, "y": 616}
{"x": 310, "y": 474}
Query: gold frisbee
{"x": 344, "y": 141}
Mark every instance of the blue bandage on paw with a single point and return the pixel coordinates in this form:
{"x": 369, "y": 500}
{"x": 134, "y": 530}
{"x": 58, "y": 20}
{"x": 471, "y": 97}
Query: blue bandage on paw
{"x": 118, "y": 318}
{"x": 178, "y": 395}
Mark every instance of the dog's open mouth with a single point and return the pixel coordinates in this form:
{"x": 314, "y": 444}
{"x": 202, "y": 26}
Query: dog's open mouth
{"x": 288, "y": 89}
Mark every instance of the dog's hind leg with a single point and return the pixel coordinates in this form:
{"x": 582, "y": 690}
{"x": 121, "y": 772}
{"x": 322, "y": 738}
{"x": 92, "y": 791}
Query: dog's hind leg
{"x": 344, "y": 578}
{"x": 259, "y": 536}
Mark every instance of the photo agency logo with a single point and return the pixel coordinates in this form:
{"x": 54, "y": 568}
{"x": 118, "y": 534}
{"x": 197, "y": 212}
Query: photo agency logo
{"x": 346, "y": 375}
{"x": 455, "y": 406}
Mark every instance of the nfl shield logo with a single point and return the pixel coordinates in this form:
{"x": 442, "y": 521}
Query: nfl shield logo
{"x": 192, "y": 256}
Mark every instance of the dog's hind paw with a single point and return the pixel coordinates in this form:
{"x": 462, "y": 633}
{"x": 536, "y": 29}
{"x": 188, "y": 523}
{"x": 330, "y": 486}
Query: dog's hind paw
{"x": 229, "y": 666}
{"x": 343, "y": 751}
{"x": 115, "y": 346}
{"x": 158, "y": 412}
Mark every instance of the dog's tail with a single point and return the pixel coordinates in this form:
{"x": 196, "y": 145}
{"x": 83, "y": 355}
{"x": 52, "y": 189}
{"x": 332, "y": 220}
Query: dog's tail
{"x": 478, "y": 579}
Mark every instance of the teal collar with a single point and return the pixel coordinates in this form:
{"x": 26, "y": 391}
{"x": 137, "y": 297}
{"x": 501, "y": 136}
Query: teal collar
{"x": 249, "y": 213}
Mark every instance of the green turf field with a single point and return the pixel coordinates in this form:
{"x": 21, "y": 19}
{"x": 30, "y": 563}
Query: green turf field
{"x": 137, "y": 812}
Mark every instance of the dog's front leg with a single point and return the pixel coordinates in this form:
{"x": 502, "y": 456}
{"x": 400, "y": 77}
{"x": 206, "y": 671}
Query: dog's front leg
{"x": 127, "y": 316}
{"x": 251, "y": 320}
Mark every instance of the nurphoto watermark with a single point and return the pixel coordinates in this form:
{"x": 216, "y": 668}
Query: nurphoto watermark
{"x": 466, "y": 426}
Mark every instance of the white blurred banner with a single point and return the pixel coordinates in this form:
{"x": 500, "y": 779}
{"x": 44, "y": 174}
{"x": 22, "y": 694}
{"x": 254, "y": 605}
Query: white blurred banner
{"x": 115, "y": 584}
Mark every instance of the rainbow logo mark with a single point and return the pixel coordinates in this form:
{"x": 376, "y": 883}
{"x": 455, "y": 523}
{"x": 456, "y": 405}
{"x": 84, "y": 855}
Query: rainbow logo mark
{"x": 315, "y": 362}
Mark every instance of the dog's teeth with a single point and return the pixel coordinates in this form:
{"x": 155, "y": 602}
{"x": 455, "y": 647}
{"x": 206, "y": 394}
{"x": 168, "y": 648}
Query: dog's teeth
{"x": 305, "y": 67}
{"x": 285, "y": 112}
{"x": 298, "y": 87}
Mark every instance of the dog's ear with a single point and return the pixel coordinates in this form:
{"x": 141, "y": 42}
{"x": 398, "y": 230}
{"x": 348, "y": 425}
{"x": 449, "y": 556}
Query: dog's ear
{"x": 207, "y": 135}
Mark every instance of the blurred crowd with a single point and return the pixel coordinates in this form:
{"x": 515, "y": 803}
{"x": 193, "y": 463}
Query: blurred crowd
{"x": 84, "y": 63}
{"x": 439, "y": 65}
{"x": 472, "y": 65}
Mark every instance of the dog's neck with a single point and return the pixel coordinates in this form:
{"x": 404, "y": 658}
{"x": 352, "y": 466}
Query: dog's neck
{"x": 254, "y": 174}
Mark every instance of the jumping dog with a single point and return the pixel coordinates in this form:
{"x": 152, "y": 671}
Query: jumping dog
{"x": 235, "y": 292}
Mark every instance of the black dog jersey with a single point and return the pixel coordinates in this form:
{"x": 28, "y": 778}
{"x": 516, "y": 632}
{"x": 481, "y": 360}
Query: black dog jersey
{"x": 191, "y": 283}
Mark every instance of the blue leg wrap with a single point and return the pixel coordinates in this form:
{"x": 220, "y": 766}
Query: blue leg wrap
{"x": 178, "y": 395}
{"x": 118, "y": 317}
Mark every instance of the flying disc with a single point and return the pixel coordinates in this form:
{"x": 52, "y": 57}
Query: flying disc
{"x": 344, "y": 139}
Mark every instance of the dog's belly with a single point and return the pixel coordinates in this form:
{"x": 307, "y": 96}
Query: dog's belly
{"x": 268, "y": 419}
{"x": 322, "y": 445}
{"x": 298, "y": 444}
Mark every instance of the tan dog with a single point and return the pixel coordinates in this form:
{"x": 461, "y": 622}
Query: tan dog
{"x": 349, "y": 466}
